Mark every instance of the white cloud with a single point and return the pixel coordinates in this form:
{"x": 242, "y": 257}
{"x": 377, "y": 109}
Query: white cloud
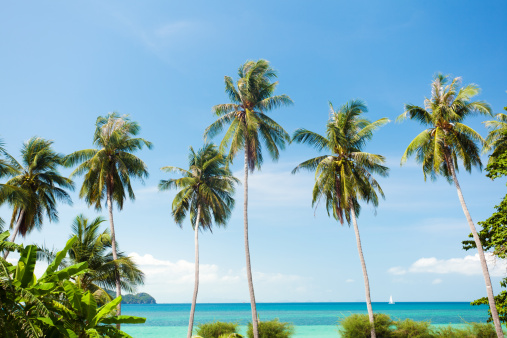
{"x": 397, "y": 270}
{"x": 468, "y": 265}
{"x": 436, "y": 281}
{"x": 173, "y": 282}
{"x": 349, "y": 281}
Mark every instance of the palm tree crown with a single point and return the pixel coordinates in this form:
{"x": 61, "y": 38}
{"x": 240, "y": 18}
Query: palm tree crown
{"x": 251, "y": 98}
{"x": 497, "y": 137}
{"x": 94, "y": 246}
{"x": 447, "y": 139}
{"x": 41, "y": 183}
{"x": 345, "y": 175}
{"x": 208, "y": 184}
{"x": 110, "y": 167}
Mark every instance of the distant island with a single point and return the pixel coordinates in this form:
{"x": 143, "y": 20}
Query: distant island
{"x": 138, "y": 298}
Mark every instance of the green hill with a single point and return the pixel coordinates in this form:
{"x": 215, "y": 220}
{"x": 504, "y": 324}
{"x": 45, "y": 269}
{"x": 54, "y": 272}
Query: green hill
{"x": 139, "y": 298}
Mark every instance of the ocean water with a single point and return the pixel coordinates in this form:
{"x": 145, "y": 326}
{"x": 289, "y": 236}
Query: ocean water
{"x": 318, "y": 320}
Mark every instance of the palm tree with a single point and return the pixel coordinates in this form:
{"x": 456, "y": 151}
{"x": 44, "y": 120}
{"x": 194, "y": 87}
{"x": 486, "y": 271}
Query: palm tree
{"x": 41, "y": 184}
{"x": 251, "y": 98}
{"x": 7, "y": 193}
{"x": 345, "y": 176}
{"x": 446, "y": 140}
{"x": 497, "y": 137}
{"x": 93, "y": 246}
{"x": 108, "y": 169}
{"x": 206, "y": 190}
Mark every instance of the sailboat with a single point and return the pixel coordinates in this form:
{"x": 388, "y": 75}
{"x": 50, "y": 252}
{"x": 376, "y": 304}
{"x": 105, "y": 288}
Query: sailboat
{"x": 391, "y": 300}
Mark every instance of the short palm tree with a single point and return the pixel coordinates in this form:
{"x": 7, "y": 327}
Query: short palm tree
{"x": 108, "y": 169}
{"x": 448, "y": 140}
{"x": 251, "y": 98}
{"x": 41, "y": 184}
{"x": 497, "y": 137}
{"x": 206, "y": 190}
{"x": 344, "y": 176}
{"x": 94, "y": 246}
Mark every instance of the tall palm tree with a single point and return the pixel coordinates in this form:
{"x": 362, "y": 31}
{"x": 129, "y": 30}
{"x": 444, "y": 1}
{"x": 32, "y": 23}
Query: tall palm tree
{"x": 448, "y": 140}
{"x": 206, "y": 190}
{"x": 108, "y": 169}
{"x": 251, "y": 98}
{"x": 38, "y": 179}
{"x": 344, "y": 177}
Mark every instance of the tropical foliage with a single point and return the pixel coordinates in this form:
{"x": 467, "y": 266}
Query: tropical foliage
{"x": 93, "y": 246}
{"x": 52, "y": 306}
{"x": 343, "y": 177}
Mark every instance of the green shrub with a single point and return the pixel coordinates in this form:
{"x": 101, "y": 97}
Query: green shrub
{"x": 358, "y": 326}
{"x": 409, "y": 328}
{"x": 216, "y": 329}
{"x": 272, "y": 329}
{"x": 473, "y": 330}
{"x": 483, "y": 330}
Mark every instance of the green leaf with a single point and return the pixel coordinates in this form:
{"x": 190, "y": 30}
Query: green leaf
{"x": 46, "y": 321}
{"x": 74, "y": 295}
{"x": 65, "y": 274}
{"x": 89, "y": 307}
{"x": 105, "y": 310}
{"x": 59, "y": 256}
{"x": 26, "y": 264}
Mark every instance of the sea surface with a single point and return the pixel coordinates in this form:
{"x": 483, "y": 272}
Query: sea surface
{"x": 317, "y": 320}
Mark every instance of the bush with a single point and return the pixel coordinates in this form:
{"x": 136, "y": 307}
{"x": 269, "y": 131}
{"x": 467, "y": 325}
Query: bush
{"x": 358, "y": 326}
{"x": 272, "y": 329}
{"x": 474, "y": 330}
{"x": 216, "y": 329}
{"x": 411, "y": 329}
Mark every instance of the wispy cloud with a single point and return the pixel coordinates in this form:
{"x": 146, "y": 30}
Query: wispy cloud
{"x": 468, "y": 265}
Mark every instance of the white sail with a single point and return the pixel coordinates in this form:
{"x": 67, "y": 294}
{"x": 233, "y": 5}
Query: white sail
{"x": 391, "y": 300}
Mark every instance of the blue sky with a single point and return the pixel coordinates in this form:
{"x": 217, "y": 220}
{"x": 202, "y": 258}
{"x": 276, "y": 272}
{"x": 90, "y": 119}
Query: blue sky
{"x": 65, "y": 63}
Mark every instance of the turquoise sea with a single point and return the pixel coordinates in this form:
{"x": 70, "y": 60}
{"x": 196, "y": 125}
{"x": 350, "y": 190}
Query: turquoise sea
{"x": 317, "y": 320}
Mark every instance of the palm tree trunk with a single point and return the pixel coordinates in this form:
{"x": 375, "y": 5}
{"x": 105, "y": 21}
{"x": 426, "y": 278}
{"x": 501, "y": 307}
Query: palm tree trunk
{"x": 478, "y": 244}
{"x": 365, "y": 273}
{"x": 16, "y": 230}
{"x": 196, "y": 278}
{"x": 247, "y": 251}
{"x": 115, "y": 256}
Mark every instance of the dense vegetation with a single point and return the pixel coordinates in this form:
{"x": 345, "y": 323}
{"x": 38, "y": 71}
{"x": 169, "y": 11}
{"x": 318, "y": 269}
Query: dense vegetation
{"x": 52, "y": 305}
{"x": 358, "y": 326}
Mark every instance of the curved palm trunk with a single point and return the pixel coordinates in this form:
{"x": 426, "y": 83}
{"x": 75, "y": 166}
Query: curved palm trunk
{"x": 247, "y": 251}
{"x": 113, "y": 244}
{"x": 365, "y": 273}
{"x": 196, "y": 278}
{"x": 478, "y": 244}
{"x": 16, "y": 230}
